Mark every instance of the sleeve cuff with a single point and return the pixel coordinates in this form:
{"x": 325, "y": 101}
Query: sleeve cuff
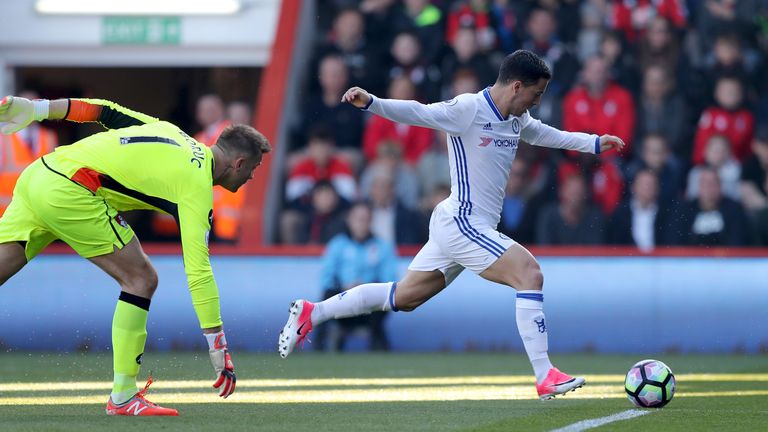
{"x": 368, "y": 105}
{"x": 597, "y": 145}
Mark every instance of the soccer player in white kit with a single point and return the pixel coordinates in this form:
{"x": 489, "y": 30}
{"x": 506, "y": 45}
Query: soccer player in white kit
{"x": 483, "y": 131}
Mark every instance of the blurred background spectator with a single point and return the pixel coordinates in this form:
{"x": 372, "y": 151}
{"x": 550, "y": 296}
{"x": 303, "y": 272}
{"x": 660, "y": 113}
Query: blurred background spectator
{"x": 392, "y": 220}
{"x": 728, "y": 117}
{"x": 676, "y": 80}
{"x": 572, "y": 220}
{"x": 717, "y": 156}
{"x": 661, "y": 111}
{"x": 240, "y": 112}
{"x": 655, "y": 156}
{"x": 324, "y": 109}
{"x": 355, "y": 257}
{"x": 713, "y": 219}
{"x": 598, "y": 105}
{"x": 520, "y": 205}
{"x": 643, "y": 220}
{"x": 389, "y": 163}
{"x": 409, "y": 61}
{"x": 755, "y": 174}
{"x": 412, "y": 140}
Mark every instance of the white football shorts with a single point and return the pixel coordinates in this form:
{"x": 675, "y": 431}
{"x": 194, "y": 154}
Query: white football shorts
{"x": 459, "y": 242}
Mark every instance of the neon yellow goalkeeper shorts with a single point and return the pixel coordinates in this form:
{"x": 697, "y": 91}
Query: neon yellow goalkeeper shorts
{"x": 47, "y": 205}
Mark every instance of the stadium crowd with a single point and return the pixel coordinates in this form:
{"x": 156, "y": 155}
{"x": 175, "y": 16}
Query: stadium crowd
{"x": 678, "y": 81}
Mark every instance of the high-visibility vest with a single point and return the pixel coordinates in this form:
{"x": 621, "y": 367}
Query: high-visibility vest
{"x": 227, "y": 206}
{"x": 16, "y": 154}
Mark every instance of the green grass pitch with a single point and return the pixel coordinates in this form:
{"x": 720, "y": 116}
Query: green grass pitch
{"x": 377, "y": 392}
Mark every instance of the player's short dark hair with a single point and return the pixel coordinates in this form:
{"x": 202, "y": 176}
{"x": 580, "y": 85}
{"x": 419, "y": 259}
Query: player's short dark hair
{"x": 243, "y": 140}
{"x": 525, "y": 66}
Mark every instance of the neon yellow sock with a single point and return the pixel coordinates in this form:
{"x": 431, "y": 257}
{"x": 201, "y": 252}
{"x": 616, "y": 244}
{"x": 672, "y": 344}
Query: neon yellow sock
{"x": 129, "y": 332}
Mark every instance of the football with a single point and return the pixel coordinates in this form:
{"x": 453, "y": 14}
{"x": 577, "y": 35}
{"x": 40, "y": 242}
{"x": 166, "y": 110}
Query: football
{"x": 650, "y": 384}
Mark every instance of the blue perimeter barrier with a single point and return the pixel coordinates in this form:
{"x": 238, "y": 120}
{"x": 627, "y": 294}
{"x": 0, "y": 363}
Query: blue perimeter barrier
{"x": 601, "y": 304}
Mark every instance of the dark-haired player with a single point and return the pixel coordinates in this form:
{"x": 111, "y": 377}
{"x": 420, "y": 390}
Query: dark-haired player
{"x": 483, "y": 130}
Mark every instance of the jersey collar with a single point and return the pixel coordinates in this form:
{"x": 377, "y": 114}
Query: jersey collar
{"x": 494, "y": 108}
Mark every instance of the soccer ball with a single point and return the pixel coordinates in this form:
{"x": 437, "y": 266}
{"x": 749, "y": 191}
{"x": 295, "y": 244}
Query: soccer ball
{"x": 650, "y": 384}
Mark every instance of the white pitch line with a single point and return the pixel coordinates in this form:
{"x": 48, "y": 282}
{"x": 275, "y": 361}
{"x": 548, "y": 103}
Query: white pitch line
{"x": 593, "y": 423}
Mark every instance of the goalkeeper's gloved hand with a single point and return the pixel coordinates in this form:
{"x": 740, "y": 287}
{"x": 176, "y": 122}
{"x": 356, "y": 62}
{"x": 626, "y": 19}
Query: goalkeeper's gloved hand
{"x": 222, "y": 363}
{"x": 16, "y": 113}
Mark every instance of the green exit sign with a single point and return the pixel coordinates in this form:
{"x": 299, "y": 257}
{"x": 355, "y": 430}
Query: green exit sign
{"x": 141, "y": 30}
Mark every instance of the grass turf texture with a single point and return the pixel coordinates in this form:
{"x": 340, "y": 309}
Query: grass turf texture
{"x": 413, "y": 392}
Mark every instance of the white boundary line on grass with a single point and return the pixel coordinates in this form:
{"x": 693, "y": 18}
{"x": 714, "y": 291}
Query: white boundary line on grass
{"x": 600, "y": 421}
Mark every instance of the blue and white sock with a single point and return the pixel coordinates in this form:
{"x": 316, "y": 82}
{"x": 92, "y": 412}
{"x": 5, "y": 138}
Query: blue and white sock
{"x": 533, "y": 331}
{"x": 360, "y": 300}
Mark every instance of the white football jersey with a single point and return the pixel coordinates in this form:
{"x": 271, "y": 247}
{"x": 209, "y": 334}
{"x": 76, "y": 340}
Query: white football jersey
{"x": 481, "y": 146}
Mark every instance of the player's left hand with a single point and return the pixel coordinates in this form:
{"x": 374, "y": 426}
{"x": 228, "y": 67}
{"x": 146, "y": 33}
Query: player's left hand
{"x": 608, "y": 142}
{"x": 225, "y": 369}
{"x": 16, "y": 113}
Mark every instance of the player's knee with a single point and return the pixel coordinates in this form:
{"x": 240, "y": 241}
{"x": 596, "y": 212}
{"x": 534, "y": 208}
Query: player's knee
{"x": 144, "y": 284}
{"x": 534, "y": 276}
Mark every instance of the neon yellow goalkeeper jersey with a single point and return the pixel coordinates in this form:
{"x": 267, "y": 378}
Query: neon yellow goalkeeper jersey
{"x": 146, "y": 163}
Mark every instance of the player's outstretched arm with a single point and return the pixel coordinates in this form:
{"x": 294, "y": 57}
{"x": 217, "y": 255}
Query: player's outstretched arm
{"x": 608, "y": 142}
{"x": 449, "y": 116}
{"x": 16, "y": 113}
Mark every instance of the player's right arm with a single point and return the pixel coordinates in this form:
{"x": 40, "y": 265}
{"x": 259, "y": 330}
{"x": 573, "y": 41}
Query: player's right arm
{"x": 194, "y": 216}
{"x": 453, "y": 116}
{"x": 16, "y": 113}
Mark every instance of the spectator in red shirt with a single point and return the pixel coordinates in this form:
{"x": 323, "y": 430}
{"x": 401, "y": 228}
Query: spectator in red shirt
{"x": 412, "y": 140}
{"x": 472, "y": 13}
{"x": 728, "y": 118}
{"x": 632, "y": 17}
{"x": 600, "y": 106}
{"x": 320, "y": 164}
{"x": 604, "y": 177}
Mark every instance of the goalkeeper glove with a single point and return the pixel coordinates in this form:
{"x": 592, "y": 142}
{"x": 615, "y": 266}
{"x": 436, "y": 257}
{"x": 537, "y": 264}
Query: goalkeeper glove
{"x": 222, "y": 363}
{"x": 16, "y": 113}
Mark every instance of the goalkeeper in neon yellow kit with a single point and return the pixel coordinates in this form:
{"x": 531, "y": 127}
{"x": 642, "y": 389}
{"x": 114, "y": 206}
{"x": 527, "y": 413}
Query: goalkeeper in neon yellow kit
{"x": 75, "y": 193}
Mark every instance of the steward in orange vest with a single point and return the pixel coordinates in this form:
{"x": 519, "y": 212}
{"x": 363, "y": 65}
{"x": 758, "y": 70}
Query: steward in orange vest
{"x": 19, "y": 150}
